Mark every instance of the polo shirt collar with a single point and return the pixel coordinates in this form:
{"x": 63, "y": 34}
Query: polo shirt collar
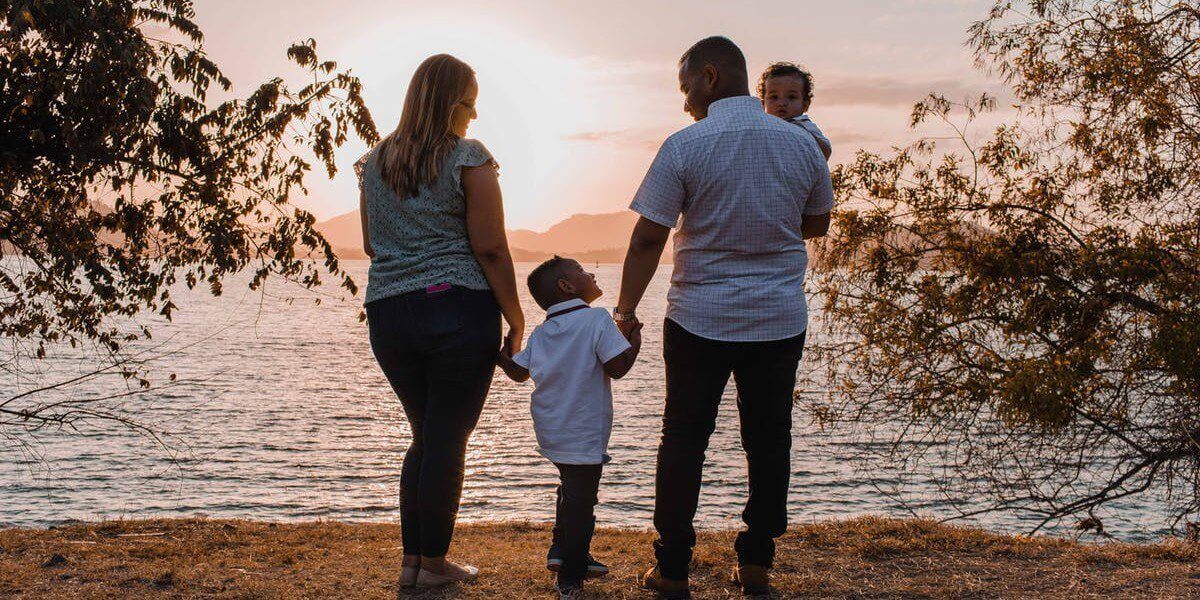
{"x": 734, "y": 103}
{"x": 565, "y": 305}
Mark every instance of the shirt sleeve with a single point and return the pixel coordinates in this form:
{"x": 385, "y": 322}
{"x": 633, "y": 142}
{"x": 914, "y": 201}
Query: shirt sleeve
{"x": 609, "y": 341}
{"x": 820, "y": 199}
{"x": 470, "y": 153}
{"x": 661, "y": 195}
{"x": 360, "y": 167}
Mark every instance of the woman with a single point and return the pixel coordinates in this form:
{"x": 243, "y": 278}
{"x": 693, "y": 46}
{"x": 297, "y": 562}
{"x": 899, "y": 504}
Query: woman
{"x": 440, "y": 278}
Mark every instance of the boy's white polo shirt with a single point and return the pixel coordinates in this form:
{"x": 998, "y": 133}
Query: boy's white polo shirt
{"x": 572, "y": 396}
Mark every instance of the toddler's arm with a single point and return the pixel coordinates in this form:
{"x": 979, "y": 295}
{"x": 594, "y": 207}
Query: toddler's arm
{"x": 623, "y": 362}
{"x": 818, "y": 135}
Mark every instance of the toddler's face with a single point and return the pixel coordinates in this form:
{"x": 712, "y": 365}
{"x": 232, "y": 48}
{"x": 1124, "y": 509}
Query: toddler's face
{"x": 784, "y": 97}
{"x": 580, "y": 283}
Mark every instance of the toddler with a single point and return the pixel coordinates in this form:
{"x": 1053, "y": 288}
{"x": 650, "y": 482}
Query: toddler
{"x": 786, "y": 92}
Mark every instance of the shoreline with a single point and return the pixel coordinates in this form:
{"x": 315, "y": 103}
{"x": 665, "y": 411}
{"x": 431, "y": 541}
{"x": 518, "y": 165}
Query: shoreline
{"x": 871, "y": 557}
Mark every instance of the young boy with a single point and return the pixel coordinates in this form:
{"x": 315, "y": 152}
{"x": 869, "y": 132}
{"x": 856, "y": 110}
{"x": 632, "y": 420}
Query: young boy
{"x": 572, "y": 357}
{"x": 786, "y": 92}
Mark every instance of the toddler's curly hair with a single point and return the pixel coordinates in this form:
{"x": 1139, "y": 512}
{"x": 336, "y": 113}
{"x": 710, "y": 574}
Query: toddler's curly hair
{"x": 785, "y": 69}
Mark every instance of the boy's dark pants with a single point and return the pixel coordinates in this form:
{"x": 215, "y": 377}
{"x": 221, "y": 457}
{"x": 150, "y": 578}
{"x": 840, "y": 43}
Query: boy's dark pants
{"x": 697, "y": 372}
{"x": 574, "y": 517}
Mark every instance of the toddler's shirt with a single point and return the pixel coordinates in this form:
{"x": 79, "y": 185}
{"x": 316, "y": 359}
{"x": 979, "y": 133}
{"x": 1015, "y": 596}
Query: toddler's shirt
{"x": 571, "y": 402}
{"x": 812, "y": 129}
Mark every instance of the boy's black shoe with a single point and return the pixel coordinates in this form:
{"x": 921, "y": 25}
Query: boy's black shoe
{"x": 595, "y": 568}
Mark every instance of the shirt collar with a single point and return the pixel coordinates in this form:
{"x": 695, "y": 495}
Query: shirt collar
{"x": 734, "y": 103}
{"x": 564, "y": 305}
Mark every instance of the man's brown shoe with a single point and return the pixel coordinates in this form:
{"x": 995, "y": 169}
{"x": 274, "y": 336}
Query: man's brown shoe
{"x": 754, "y": 579}
{"x": 672, "y": 589}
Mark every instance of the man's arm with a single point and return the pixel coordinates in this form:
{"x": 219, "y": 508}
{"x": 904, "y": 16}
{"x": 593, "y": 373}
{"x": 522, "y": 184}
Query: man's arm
{"x": 620, "y": 364}
{"x": 815, "y": 218}
{"x": 814, "y": 226}
{"x": 641, "y": 261}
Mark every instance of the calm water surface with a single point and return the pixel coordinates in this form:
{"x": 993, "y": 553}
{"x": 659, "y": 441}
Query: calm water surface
{"x": 280, "y": 412}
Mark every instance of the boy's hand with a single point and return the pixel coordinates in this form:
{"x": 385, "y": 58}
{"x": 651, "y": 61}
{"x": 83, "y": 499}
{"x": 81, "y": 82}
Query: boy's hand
{"x": 623, "y": 362}
{"x": 626, "y": 327}
{"x": 635, "y": 335}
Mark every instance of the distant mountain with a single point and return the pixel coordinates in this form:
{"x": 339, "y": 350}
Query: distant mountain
{"x": 607, "y": 255}
{"x": 588, "y": 238}
{"x": 344, "y": 233}
{"x": 578, "y": 233}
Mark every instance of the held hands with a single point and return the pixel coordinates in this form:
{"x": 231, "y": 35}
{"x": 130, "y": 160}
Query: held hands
{"x": 623, "y": 362}
{"x": 512, "y": 340}
{"x": 628, "y": 327}
{"x": 507, "y": 364}
{"x": 634, "y": 333}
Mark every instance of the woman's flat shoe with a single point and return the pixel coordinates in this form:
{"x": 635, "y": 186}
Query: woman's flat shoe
{"x": 430, "y": 579}
{"x": 408, "y": 576}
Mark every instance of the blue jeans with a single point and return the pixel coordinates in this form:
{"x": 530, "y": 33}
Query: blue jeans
{"x": 697, "y": 371}
{"x": 438, "y": 351}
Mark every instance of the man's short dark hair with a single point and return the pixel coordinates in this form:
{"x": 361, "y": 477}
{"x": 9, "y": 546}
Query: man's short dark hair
{"x": 786, "y": 69}
{"x": 718, "y": 51}
{"x": 543, "y": 281}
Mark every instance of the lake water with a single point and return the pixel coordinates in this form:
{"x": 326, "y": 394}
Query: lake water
{"x": 280, "y": 412}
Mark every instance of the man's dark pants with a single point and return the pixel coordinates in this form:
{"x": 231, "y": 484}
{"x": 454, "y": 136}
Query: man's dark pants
{"x": 697, "y": 372}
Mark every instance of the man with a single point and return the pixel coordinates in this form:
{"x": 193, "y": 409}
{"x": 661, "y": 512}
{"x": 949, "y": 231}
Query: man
{"x": 750, "y": 188}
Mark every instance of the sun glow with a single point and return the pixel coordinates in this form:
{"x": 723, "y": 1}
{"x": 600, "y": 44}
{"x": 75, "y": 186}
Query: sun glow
{"x": 532, "y": 101}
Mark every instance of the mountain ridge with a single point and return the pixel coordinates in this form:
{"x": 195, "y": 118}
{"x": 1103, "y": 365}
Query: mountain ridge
{"x": 587, "y": 237}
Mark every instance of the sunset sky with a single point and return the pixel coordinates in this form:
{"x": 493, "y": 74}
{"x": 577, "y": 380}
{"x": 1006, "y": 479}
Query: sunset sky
{"x": 576, "y": 97}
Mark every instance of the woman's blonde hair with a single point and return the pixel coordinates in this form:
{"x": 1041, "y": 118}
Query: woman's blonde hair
{"x": 413, "y": 154}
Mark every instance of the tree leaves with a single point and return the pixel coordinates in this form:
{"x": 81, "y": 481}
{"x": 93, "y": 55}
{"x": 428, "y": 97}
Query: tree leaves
{"x": 1032, "y": 301}
{"x": 118, "y": 177}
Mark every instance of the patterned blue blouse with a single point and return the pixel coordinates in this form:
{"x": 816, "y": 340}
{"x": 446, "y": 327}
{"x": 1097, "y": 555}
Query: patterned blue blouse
{"x": 421, "y": 241}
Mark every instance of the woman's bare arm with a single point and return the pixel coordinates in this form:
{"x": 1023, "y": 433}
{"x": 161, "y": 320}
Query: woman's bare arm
{"x": 366, "y": 233}
{"x": 485, "y": 228}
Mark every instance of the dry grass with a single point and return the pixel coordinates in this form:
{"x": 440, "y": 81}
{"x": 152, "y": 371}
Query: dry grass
{"x": 860, "y": 558}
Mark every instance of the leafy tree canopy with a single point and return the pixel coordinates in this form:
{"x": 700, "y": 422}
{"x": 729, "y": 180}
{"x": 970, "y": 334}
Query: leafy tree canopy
{"x": 1024, "y": 307}
{"x": 119, "y": 176}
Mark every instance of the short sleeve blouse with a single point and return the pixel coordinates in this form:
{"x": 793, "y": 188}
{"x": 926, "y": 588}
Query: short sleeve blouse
{"x": 421, "y": 241}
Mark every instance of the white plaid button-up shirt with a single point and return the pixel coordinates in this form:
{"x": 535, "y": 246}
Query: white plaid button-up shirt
{"x": 742, "y": 180}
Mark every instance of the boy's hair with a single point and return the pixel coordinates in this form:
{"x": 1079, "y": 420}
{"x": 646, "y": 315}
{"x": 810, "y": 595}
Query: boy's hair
{"x": 786, "y": 69}
{"x": 543, "y": 281}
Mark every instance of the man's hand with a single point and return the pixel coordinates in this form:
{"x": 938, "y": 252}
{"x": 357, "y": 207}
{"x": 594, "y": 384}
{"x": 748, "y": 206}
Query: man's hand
{"x": 629, "y": 326}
